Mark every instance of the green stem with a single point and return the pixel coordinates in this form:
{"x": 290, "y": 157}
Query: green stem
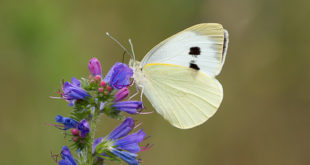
{"x": 93, "y": 122}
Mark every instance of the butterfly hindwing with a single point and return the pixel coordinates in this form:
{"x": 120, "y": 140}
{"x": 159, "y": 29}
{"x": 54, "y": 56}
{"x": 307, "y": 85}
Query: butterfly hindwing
{"x": 183, "y": 96}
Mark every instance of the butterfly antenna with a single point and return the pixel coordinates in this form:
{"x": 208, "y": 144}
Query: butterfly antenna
{"x": 133, "y": 52}
{"x": 115, "y": 40}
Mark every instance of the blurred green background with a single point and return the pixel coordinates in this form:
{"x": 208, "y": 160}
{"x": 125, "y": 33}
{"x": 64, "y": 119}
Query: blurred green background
{"x": 264, "y": 118}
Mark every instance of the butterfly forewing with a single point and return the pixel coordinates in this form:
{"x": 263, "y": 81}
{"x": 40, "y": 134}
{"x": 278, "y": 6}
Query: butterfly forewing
{"x": 201, "y": 47}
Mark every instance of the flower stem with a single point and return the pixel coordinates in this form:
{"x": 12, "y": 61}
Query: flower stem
{"x": 93, "y": 123}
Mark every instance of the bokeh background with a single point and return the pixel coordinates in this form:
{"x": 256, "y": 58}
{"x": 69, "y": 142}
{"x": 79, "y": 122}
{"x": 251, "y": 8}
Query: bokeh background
{"x": 264, "y": 118}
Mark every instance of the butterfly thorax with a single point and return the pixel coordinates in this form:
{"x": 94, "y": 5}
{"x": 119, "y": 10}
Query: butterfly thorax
{"x": 138, "y": 75}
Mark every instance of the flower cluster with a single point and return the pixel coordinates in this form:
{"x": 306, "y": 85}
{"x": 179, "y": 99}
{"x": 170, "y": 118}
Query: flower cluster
{"x": 119, "y": 143}
{"x": 90, "y": 97}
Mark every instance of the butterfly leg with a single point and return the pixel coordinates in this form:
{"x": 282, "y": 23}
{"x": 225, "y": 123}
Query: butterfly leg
{"x": 138, "y": 87}
{"x": 137, "y": 92}
{"x": 141, "y": 95}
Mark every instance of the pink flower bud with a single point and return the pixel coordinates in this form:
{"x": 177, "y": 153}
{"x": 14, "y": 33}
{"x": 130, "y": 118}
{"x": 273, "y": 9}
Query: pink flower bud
{"x": 94, "y": 67}
{"x": 109, "y": 88}
{"x": 121, "y": 94}
{"x": 100, "y": 90}
{"x": 75, "y": 138}
{"x": 75, "y": 132}
{"x": 98, "y": 78}
{"x": 103, "y": 83}
{"x": 92, "y": 81}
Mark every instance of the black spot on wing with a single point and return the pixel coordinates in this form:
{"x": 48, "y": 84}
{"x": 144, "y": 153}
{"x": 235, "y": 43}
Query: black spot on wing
{"x": 193, "y": 65}
{"x": 224, "y": 45}
{"x": 194, "y": 51}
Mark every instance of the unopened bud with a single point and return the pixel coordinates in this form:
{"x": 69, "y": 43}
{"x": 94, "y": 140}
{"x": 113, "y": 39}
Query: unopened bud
{"x": 103, "y": 83}
{"x": 75, "y": 132}
{"x": 98, "y": 78}
{"x": 100, "y": 90}
{"x": 94, "y": 67}
{"x": 121, "y": 94}
{"x": 75, "y": 138}
{"x": 109, "y": 88}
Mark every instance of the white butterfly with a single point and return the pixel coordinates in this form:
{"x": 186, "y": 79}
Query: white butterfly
{"x": 178, "y": 75}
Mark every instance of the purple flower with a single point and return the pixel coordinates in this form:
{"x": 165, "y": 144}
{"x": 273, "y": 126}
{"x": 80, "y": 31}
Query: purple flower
{"x": 131, "y": 142}
{"x": 125, "y": 141}
{"x": 67, "y": 158}
{"x": 73, "y": 91}
{"x": 123, "y": 145}
{"x": 128, "y": 157}
{"x": 123, "y": 129}
{"x": 84, "y": 128}
{"x": 67, "y": 122}
{"x": 119, "y": 76}
{"x": 94, "y": 67}
{"x": 130, "y": 107}
{"x": 121, "y": 94}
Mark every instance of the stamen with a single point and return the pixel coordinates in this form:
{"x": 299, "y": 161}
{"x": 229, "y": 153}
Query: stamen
{"x": 55, "y": 125}
{"x": 147, "y": 137}
{"x": 54, "y": 156}
{"x": 137, "y": 125}
{"x": 146, "y": 147}
{"x": 52, "y": 97}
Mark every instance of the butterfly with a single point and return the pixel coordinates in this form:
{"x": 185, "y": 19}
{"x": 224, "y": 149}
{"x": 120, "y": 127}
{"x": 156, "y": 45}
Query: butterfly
{"x": 178, "y": 75}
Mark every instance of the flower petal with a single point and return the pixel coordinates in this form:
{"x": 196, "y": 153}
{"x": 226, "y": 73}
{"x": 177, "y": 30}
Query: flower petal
{"x": 130, "y": 107}
{"x": 119, "y": 76}
{"x": 66, "y": 121}
{"x": 67, "y": 158}
{"x": 133, "y": 147}
{"x": 128, "y": 157}
{"x": 75, "y": 82}
{"x": 123, "y": 129}
{"x": 72, "y": 92}
{"x": 84, "y": 128}
{"x": 131, "y": 142}
{"x": 107, "y": 78}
